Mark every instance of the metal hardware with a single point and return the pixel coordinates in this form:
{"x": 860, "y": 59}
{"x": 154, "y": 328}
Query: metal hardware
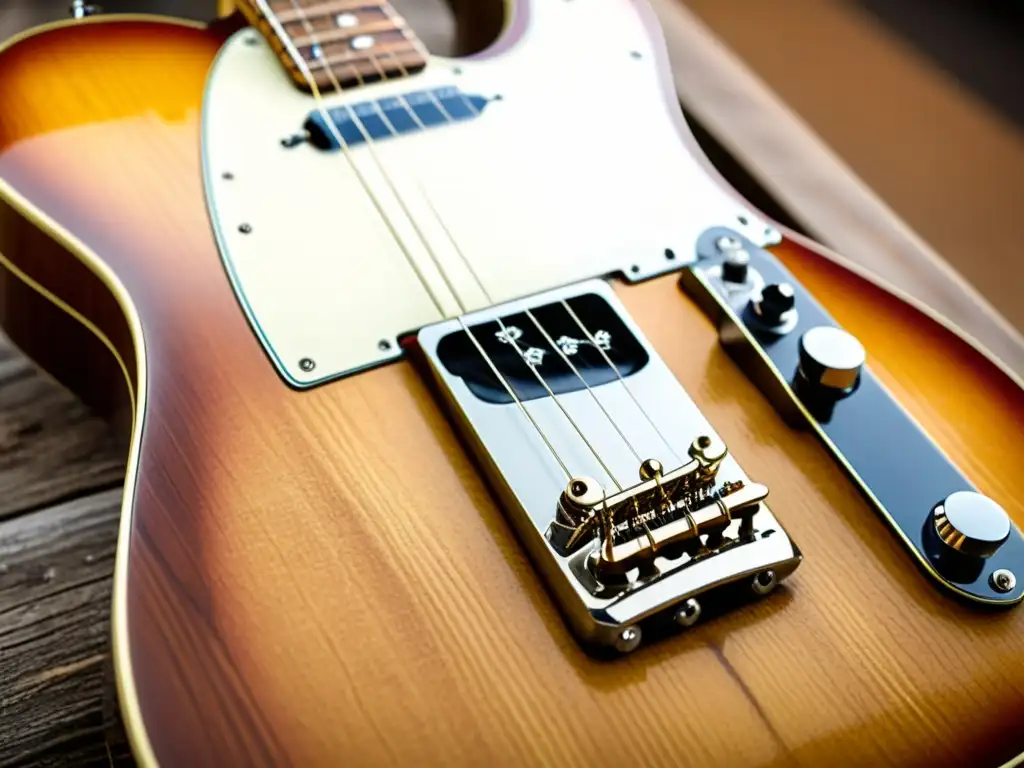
{"x": 831, "y": 359}
{"x": 736, "y": 266}
{"x": 764, "y": 582}
{"x": 728, "y": 243}
{"x": 688, "y": 613}
{"x": 775, "y": 306}
{"x": 306, "y": 364}
{"x": 628, "y": 639}
{"x": 816, "y": 378}
{"x": 615, "y": 554}
{"x": 1003, "y": 580}
{"x": 971, "y": 524}
{"x": 81, "y": 9}
{"x": 245, "y": 229}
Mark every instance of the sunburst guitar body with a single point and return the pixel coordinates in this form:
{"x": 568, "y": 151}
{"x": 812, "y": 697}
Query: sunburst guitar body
{"x": 475, "y": 420}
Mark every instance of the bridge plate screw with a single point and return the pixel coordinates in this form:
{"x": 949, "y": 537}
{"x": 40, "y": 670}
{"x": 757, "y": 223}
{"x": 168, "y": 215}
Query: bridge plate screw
{"x": 307, "y": 364}
{"x": 764, "y": 582}
{"x": 628, "y": 639}
{"x": 1003, "y": 580}
{"x": 688, "y": 613}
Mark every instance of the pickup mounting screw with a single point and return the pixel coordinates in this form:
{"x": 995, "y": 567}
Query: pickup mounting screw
{"x": 307, "y": 364}
{"x": 1003, "y": 580}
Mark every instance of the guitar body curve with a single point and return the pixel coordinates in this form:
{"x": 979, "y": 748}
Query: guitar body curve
{"x": 311, "y": 576}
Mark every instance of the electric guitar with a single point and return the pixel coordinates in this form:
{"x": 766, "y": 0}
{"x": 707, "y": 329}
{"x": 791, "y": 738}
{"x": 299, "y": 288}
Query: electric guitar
{"x": 475, "y": 420}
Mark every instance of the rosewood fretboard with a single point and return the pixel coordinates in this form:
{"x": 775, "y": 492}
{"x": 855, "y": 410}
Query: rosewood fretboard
{"x": 343, "y": 43}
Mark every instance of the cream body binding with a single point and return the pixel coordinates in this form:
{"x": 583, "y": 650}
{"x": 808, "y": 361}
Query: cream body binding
{"x": 578, "y": 171}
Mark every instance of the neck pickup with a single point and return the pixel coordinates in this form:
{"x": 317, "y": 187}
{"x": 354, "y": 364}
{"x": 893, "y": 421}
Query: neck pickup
{"x": 333, "y": 45}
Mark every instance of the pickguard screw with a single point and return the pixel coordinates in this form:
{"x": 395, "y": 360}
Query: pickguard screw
{"x": 628, "y": 639}
{"x": 456, "y": 70}
{"x": 636, "y": 54}
{"x": 1003, "y": 580}
{"x": 245, "y": 229}
{"x": 251, "y": 40}
{"x": 743, "y": 220}
{"x": 635, "y": 269}
{"x": 227, "y": 175}
{"x": 384, "y": 345}
{"x": 307, "y": 364}
{"x": 670, "y": 254}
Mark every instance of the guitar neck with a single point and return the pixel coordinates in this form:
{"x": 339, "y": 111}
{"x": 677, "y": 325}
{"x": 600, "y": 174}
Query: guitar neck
{"x": 337, "y": 44}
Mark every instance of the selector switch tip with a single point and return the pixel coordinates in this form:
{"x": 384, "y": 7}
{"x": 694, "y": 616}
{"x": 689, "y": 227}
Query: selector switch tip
{"x": 972, "y": 524}
{"x": 736, "y": 266}
{"x": 831, "y": 359}
{"x": 776, "y": 302}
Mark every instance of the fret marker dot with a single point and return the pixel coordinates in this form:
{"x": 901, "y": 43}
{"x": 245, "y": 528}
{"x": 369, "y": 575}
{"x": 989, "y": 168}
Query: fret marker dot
{"x": 346, "y": 20}
{"x": 362, "y": 43}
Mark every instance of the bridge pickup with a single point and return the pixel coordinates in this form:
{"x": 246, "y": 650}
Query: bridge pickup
{"x": 392, "y": 116}
{"x": 629, "y": 504}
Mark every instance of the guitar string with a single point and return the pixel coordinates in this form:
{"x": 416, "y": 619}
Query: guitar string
{"x": 480, "y": 284}
{"x": 310, "y": 32}
{"x": 307, "y": 75}
{"x": 330, "y": 125}
{"x": 607, "y": 359}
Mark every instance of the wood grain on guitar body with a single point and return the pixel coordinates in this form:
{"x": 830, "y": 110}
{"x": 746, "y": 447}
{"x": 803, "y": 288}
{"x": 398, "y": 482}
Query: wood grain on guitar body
{"x": 475, "y": 420}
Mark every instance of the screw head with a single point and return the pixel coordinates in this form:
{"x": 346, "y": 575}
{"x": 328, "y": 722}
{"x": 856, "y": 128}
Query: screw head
{"x": 306, "y": 364}
{"x": 1003, "y": 580}
{"x": 764, "y": 582}
{"x": 688, "y": 613}
{"x": 728, "y": 243}
{"x": 383, "y": 345}
{"x": 245, "y": 229}
{"x": 628, "y": 639}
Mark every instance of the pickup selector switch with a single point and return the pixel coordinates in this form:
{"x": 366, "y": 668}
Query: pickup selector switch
{"x": 736, "y": 266}
{"x": 775, "y": 306}
{"x": 831, "y": 359}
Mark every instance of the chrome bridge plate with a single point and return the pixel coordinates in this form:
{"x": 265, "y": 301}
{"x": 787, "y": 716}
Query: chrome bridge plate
{"x": 675, "y": 521}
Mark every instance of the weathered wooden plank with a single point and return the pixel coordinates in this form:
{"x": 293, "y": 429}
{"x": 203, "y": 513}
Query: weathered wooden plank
{"x": 55, "y": 590}
{"x": 51, "y": 447}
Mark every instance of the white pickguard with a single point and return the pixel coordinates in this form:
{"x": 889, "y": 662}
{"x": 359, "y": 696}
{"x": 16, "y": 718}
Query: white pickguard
{"x": 578, "y": 171}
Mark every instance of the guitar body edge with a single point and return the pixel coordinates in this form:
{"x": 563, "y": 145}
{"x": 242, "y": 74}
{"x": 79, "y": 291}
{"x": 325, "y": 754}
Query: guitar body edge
{"x": 276, "y": 601}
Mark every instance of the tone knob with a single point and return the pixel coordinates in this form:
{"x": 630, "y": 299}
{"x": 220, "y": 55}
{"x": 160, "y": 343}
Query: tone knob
{"x": 776, "y": 302}
{"x": 831, "y": 358}
{"x": 971, "y": 524}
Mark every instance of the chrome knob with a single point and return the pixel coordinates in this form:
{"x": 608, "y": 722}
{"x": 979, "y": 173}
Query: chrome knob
{"x": 971, "y": 524}
{"x": 831, "y": 358}
{"x": 775, "y": 304}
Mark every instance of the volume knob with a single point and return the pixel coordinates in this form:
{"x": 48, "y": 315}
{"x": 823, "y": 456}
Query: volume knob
{"x": 971, "y": 524}
{"x": 831, "y": 358}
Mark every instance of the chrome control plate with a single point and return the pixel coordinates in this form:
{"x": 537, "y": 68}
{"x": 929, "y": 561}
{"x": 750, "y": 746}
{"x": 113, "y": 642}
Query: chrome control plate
{"x": 964, "y": 541}
{"x": 625, "y": 497}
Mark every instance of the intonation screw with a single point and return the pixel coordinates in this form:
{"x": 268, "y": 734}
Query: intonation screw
{"x": 307, "y": 364}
